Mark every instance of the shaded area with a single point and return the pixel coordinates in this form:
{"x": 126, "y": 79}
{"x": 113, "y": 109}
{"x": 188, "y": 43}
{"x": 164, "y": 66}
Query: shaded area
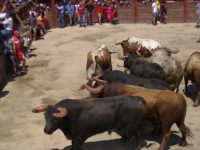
{"x": 117, "y": 144}
{"x": 3, "y": 93}
{"x": 191, "y": 92}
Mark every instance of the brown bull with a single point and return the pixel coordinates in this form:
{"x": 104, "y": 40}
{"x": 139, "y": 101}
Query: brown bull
{"x": 163, "y": 105}
{"x": 192, "y": 72}
{"x": 98, "y": 61}
{"x": 141, "y": 47}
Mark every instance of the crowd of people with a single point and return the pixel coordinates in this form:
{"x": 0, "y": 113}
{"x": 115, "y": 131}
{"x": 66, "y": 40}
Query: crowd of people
{"x": 19, "y": 29}
{"x": 81, "y": 12}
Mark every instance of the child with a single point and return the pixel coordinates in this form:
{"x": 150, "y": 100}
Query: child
{"x": 18, "y": 50}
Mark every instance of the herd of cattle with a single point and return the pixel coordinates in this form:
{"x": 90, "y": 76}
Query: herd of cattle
{"x": 124, "y": 101}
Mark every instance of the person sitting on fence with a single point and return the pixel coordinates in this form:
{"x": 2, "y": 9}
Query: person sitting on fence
{"x": 17, "y": 49}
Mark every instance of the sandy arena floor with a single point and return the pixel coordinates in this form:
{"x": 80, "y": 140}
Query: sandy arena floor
{"x": 58, "y": 71}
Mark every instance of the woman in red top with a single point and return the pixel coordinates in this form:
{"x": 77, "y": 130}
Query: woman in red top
{"x": 100, "y": 10}
{"x": 17, "y": 49}
{"x": 109, "y": 13}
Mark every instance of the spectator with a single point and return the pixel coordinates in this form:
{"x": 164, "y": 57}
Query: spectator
{"x": 70, "y": 8}
{"x": 25, "y": 33}
{"x": 163, "y": 12}
{"x": 100, "y": 10}
{"x": 61, "y": 15}
{"x": 158, "y": 11}
{"x": 76, "y": 13}
{"x": 198, "y": 14}
{"x": 18, "y": 51}
{"x": 109, "y": 13}
{"x": 81, "y": 14}
{"x": 154, "y": 12}
{"x": 6, "y": 33}
{"x": 33, "y": 25}
{"x": 90, "y": 9}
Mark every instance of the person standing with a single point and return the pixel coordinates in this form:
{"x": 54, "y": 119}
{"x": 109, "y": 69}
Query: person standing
{"x": 81, "y": 14}
{"x": 198, "y": 14}
{"x": 70, "y": 11}
{"x": 6, "y": 33}
{"x": 90, "y": 9}
{"x": 163, "y": 11}
{"x": 154, "y": 12}
{"x": 158, "y": 11}
{"x": 100, "y": 10}
{"x": 109, "y": 13}
{"x": 61, "y": 15}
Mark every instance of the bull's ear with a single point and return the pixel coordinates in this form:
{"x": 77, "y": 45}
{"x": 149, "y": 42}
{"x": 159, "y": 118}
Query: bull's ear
{"x": 39, "y": 109}
{"x": 62, "y": 112}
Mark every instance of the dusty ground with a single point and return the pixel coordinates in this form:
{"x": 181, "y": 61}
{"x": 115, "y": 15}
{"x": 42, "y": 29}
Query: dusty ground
{"x": 59, "y": 70}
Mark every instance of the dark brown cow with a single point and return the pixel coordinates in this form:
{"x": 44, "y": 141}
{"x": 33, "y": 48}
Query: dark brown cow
{"x": 141, "y": 47}
{"x": 163, "y": 105}
{"x": 192, "y": 72}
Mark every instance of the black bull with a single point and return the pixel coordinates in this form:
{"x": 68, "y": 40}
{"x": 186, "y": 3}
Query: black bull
{"x": 113, "y": 76}
{"x": 79, "y": 120}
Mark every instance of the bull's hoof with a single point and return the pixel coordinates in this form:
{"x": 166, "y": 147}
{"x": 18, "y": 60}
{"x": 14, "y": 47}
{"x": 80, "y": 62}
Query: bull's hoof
{"x": 183, "y": 144}
{"x": 195, "y": 105}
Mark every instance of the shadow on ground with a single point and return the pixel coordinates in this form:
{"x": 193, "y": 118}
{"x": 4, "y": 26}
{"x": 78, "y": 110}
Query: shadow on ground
{"x": 117, "y": 144}
{"x": 192, "y": 92}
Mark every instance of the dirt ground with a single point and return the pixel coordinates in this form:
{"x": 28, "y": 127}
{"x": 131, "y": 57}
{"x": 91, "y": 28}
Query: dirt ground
{"x": 57, "y": 72}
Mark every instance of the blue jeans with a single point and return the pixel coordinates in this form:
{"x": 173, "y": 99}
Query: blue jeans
{"x": 61, "y": 20}
{"x": 198, "y": 19}
{"x": 81, "y": 19}
{"x": 6, "y": 37}
{"x": 70, "y": 19}
{"x": 89, "y": 18}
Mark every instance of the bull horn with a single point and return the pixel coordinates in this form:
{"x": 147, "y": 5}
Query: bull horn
{"x": 39, "y": 109}
{"x": 172, "y": 51}
{"x": 96, "y": 90}
{"x": 62, "y": 112}
{"x": 117, "y": 43}
{"x": 112, "y": 51}
{"x": 120, "y": 56}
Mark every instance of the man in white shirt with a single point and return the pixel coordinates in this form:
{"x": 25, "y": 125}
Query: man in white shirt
{"x": 154, "y": 12}
{"x": 6, "y": 33}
